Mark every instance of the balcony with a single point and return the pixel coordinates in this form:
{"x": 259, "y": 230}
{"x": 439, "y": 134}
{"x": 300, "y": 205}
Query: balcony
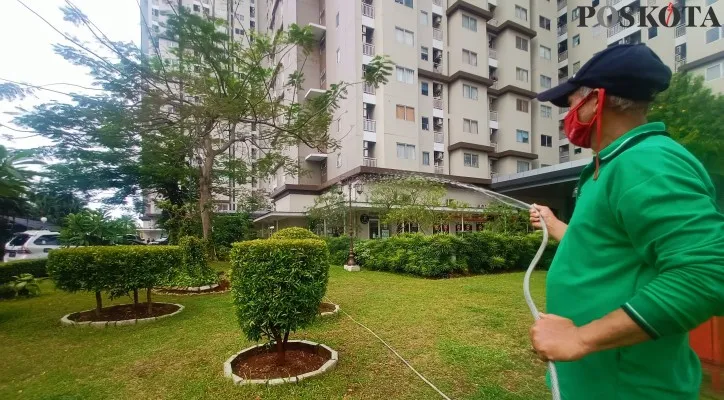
{"x": 439, "y": 169}
{"x": 495, "y": 83}
{"x": 439, "y": 137}
{"x": 437, "y": 68}
{"x": 437, "y": 103}
{"x": 492, "y": 53}
{"x": 437, "y": 3}
{"x": 562, "y": 29}
{"x": 368, "y": 49}
{"x": 369, "y": 88}
{"x": 493, "y": 22}
{"x": 680, "y": 30}
{"x": 323, "y": 79}
{"x": 493, "y": 115}
{"x": 562, "y": 79}
{"x": 436, "y": 34}
{"x": 612, "y": 31}
{"x": 322, "y": 18}
{"x": 680, "y": 61}
{"x": 562, "y": 4}
{"x": 368, "y": 10}
{"x": 562, "y": 134}
{"x": 369, "y": 125}
{"x": 369, "y": 162}
{"x": 563, "y": 157}
{"x": 563, "y": 56}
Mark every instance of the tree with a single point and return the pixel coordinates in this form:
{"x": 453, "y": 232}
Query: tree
{"x": 503, "y": 218}
{"x": 408, "y": 200}
{"x": 330, "y": 210}
{"x": 692, "y": 116}
{"x": 187, "y": 110}
{"x": 95, "y": 228}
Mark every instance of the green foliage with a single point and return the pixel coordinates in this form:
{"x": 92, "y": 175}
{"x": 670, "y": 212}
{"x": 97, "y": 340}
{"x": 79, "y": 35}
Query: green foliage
{"x": 24, "y": 285}
{"x": 277, "y": 285}
{"x": 339, "y": 249}
{"x": 194, "y": 268}
{"x": 223, "y": 253}
{"x": 502, "y": 218}
{"x": 294, "y": 233}
{"x": 330, "y": 210}
{"x": 180, "y": 220}
{"x": 35, "y": 267}
{"x": 230, "y": 228}
{"x": 113, "y": 269}
{"x": 95, "y": 228}
{"x": 408, "y": 200}
{"x": 439, "y": 256}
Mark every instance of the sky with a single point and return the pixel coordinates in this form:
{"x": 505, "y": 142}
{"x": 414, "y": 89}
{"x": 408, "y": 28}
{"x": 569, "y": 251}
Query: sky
{"x": 28, "y": 57}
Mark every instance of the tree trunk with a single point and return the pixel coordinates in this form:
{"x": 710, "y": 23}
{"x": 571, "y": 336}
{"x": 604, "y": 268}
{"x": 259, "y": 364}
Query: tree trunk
{"x": 99, "y": 304}
{"x": 205, "y": 195}
{"x": 280, "y": 344}
{"x": 148, "y": 300}
{"x": 135, "y": 298}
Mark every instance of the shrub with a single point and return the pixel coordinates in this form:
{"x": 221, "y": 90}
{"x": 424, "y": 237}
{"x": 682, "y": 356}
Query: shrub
{"x": 35, "y": 267}
{"x": 295, "y": 233}
{"x": 230, "y": 228}
{"x": 113, "y": 269}
{"x": 277, "y": 286}
{"x": 25, "y": 285}
{"x": 222, "y": 253}
{"x": 339, "y": 249}
{"x": 193, "y": 270}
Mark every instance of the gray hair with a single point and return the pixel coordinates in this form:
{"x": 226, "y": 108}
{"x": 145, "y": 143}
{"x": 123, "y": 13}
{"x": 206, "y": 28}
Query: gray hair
{"x": 619, "y": 103}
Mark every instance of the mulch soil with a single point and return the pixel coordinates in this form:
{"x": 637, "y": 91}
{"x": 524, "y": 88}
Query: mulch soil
{"x": 125, "y": 312}
{"x": 223, "y": 287}
{"x": 326, "y": 307}
{"x": 264, "y": 365}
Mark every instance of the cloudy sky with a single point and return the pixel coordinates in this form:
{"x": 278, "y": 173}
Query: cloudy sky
{"x": 28, "y": 57}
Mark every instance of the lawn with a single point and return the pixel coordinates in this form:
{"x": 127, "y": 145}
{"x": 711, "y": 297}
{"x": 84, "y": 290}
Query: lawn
{"x": 467, "y": 335}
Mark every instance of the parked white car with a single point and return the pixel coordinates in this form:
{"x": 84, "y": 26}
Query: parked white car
{"x": 31, "y": 245}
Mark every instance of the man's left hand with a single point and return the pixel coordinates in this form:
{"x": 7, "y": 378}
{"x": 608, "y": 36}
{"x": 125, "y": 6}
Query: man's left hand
{"x": 556, "y": 338}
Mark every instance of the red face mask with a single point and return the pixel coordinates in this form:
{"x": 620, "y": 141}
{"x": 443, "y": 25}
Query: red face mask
{"x": 579, "y": 133}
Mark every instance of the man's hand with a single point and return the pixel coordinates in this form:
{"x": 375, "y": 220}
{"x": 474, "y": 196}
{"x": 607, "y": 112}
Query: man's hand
{"x": 556, "y": 228}
{"x": 556, "y": 338}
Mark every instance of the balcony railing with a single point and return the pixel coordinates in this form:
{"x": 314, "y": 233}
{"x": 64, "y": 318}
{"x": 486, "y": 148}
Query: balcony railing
{"x": 563, "y": 56}
{"x": 368, "y": 49}
{"x": 369, "y": 125}
{"x": 323, "y": 79}
{"x": 620, "y": 28}
{"x": 439, "y": 169}
{"x": 680, "y": 30}
{"x": 493, "y": 115}
{"x": 369, "y": 162}
{"x": 562, "y": 4}
{"x": 369, "y": 88}
{"x": 439, "y": 137}
{"x": 563, "y": 157}
{"x": 679, "y": 63}
{"x": 436, "y": 34}
{"x": 492, "y": 53}
{"x": 561, "y": 134}
{"x": 368, "y": 10}
{"x": 562, "y": 79}
{"x": 437, "y": 103}
{"x": 322, "y": 18}
{"x": 437, "y": 3}
{"x": 562, "y": 29}
{"x": 437, "y": 68}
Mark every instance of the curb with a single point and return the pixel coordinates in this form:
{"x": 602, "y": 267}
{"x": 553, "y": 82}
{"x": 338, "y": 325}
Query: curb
{"x": 336, "y": 311}
{"x": 66, "y": 321}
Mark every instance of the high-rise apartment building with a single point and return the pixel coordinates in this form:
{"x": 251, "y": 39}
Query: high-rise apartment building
{"x": 460, "y": 101}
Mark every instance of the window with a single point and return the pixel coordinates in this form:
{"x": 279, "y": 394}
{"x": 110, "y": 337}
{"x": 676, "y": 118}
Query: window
{"x": 545, "y": 82}
{"x": 238, "y": 31}
{"x": 339, "y": 56}
{"x": 470, "y": 23}
{"x": 404, "y": 36}
{"x": 546, "y": 111}
{"x": 470, "y": 92}
{"x": 544, "y": 23}
{"x": 522, "y": 136}
{"x": 714, "y": 72}
{"x": 339, "y": 160}
{"x": 405, "y": 113}
{"x": 594, "y": 3}
{"x": 521, "y": 105}
{"x": 523, "y": 166}
{"x": 577, "y": 150}
{"x": 713, "y": 34}
{"x": 407, "y": 3}
{"x": 425, "y": 158}
{"x": 155, "y": 12}
{"x": 576, "y": 66}
{"x": 424, "y": 88}
{"x": 576, "y": 40}
{"x": 424, "y": 53}
{"x": 47, "y": 240}
{"x": 710, "y": 2}
{"x": 405, "y": 75}
{"x": 423, "y": 18}
{"x": 521, "y": 43}
{"x": 197, "y": 7}
{"x": 546, "y": 141}
{"x": 470, "y": 160}
{"x": 575, "y": 14}
{"x": 653, "y": 32}
{"x": 470, "y": 57}
{"x": 521, "y": 13}
{"x": 470, "y": 126}
{"x": 405, "y": 151}
{"x": 336, "y": 19}
{"x": 425, "y": 123}
{"x": 521, "y": 74}
{"x": 544, "y": 52}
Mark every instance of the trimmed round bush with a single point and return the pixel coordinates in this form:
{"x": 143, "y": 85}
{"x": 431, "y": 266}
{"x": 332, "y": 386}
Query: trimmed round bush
{"x": 295, "y": 233}
{"x": 277, "y": 286}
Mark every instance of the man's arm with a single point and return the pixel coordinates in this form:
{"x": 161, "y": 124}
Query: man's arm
{"x": 556, "y": 228}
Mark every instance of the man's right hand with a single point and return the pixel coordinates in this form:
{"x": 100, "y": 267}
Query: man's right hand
{"x": 556, "y": 228}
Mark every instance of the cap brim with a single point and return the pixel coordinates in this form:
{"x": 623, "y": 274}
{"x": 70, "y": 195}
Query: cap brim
{"x": 559, "y": 94}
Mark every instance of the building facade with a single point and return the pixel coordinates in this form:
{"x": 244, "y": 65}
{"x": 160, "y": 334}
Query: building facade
{"x": 460, "y": 101}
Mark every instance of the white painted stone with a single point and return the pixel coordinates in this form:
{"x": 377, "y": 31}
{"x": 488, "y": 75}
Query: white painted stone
{"x": 203, "y": 288}
{"x": 126, "y": 322}
{"x": 351, "y": 268}
{"x": 99, "y": 324}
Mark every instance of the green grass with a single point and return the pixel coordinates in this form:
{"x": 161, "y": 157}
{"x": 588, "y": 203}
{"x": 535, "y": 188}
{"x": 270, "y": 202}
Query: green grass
{"x": 468, "y": 335}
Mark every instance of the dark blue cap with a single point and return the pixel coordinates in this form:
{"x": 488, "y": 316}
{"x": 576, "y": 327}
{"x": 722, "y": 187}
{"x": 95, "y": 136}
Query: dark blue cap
{"x": 630, "y": 71}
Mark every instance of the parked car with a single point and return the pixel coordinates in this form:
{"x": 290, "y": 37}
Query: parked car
{"x": 161, "y": 241}
{"x": 131, "y": 239}
{"x": 30, "y": 245}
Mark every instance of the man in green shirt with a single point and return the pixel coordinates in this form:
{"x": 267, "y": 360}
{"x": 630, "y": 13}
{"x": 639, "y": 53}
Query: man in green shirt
{"x": 642, "y": 261}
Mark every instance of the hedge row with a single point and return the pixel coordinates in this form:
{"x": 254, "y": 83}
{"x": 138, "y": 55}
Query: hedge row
{"x": 339, "y": 249}
{"x": 443, "y": 255}
{"x": 36, "y": 267}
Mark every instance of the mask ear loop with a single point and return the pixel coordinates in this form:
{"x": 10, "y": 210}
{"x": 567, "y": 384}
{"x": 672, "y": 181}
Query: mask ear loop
{"x": 599, "y": 118}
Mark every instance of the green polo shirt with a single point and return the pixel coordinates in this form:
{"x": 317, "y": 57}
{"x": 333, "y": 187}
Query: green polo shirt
{"x": 646, "y": 236}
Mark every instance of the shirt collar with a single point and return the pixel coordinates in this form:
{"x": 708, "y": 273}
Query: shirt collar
{"x": 627, "y": 139}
